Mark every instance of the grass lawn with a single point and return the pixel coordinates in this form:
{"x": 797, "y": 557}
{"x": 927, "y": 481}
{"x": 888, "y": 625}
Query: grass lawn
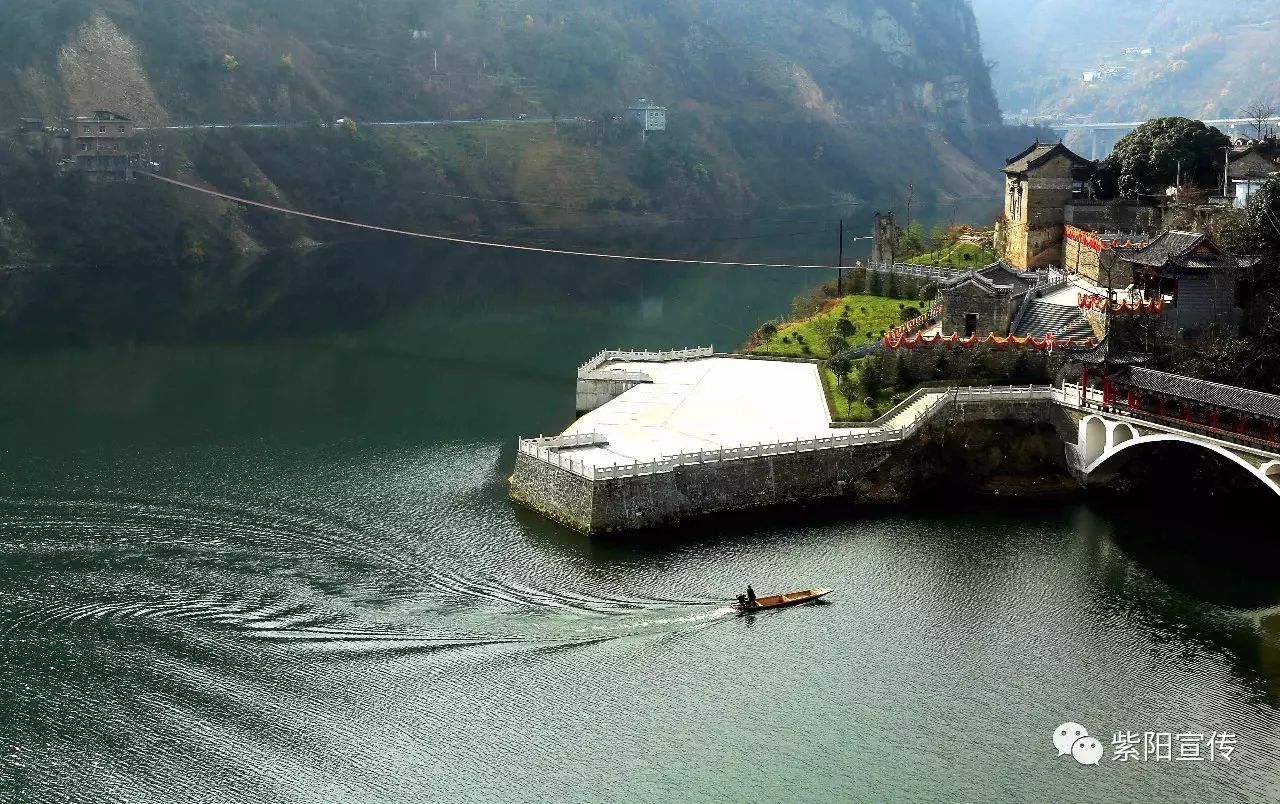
{"x": 842, "y": 411}
{"x": 869, "y": 316}
{"x": 961, "y": 255}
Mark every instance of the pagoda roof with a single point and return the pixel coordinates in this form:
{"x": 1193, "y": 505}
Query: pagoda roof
{"x": 1040, "y": 153}
{"x": 1186, "y": 251}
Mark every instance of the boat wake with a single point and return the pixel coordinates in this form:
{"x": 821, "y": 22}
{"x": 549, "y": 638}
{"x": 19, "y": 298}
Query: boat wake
{"x": 213, "y": 570}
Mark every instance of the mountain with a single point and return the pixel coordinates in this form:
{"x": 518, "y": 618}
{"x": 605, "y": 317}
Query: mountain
{"x": 1132, "y": 60}
{"x": 772, "y": 103}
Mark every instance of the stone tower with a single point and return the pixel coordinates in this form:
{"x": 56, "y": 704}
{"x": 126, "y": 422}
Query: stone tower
{"x": 1039, "y": 183}
{"x": 884, "y": 246}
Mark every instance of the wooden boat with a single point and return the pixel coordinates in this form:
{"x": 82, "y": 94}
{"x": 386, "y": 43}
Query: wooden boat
{"x": 781, "y": 601}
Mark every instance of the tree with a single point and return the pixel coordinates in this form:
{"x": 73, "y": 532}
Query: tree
{"x": 1146, "y": 160}
{"x": 1260, "y": 112}
{"x": 845, "y": 328}
{"x": 848, "y": 388}
{"x": 841, "y": 366}
{"x": 873, "y": 375}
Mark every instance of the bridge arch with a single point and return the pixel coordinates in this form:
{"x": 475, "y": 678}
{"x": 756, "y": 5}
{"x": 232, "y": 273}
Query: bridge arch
{"x": 1099, "y": 435}
{"x": 1103, "y": 466}
{"x": 1093, "y": 439}
{"x": 1271, "y": 472}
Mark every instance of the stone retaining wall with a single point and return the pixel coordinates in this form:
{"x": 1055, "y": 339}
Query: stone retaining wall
{"x": 982, "y": 361}
{"x": 858, "y": 473}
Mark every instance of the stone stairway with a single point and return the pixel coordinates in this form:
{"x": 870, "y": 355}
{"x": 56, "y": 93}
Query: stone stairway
{"x": 1044, "y": 317}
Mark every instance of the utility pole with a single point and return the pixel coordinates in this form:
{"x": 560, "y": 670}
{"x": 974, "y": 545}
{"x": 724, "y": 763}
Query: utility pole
{"x": 1226, "y": 169}
{"x": 911, "y": 196}
{"x": 840, "y": 264}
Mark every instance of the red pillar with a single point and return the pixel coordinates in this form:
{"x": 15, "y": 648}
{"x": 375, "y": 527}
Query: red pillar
{"x": 1186, "y": 412}
{"x": 1271, "y": 432}
{"x": 1084, "y": 386}
{"x": 1160, "y": 409}
{"x": 1133, "y": 400}
{"x": 1244, "y": 424}
{"x": 1106, "y": 390}
{"x": 1213, "y": 418}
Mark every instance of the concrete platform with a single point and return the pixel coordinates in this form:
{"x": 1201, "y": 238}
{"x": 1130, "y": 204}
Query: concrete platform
{"x": 705, "y": 404}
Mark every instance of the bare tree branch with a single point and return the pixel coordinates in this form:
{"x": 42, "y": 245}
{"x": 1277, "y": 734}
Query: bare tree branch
{"x": 1259, "y": 112}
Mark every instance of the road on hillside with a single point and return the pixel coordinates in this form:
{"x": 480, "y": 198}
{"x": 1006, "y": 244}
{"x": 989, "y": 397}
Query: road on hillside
{"x": 373, "y": 123}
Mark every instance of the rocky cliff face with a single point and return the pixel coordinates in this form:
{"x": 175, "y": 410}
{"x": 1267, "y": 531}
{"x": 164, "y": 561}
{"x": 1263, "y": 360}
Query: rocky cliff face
{"x": 234, "y": 60}
{"x": 813, "y": 102}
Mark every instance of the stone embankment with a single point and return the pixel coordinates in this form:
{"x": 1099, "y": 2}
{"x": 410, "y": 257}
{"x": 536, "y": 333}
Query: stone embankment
{"x": 670, "y": 436}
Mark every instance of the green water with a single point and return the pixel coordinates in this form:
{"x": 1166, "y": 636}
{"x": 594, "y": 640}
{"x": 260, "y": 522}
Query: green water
{"x": 255, "y": 547}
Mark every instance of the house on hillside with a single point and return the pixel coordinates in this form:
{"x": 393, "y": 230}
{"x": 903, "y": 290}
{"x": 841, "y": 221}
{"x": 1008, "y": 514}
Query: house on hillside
{"x": 102, "y": 145}
{"x": 30, "y": 125}
{"x": 1247, "y": 170}
{"x": 647, "y": 116}
{"x": 1197, "y": 279}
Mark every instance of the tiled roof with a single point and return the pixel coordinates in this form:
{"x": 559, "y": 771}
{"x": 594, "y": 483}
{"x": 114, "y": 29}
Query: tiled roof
{"x": 1159, "y": 251}
{"x": 1001, "y": 274}
{"x": 1038, "y": 154}
{"x": 1213, "y": 262}
{"x": 1228, "y": 397}
{"x": 994, "y": 276}
{"x": 1174, "y": 249}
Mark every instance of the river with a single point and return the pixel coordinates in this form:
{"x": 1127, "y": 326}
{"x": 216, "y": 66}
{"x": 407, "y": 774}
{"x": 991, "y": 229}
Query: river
{"x": 255, "y": 547}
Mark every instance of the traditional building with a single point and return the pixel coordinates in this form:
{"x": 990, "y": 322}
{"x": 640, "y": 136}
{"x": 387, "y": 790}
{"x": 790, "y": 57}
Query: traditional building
{"x": 1240, "y": 413}
{"x": 1039, "y": 183}
{"x": 1197, "y": 279}
{"x": 101, "y": 145}
{"x": 984, "y": 301}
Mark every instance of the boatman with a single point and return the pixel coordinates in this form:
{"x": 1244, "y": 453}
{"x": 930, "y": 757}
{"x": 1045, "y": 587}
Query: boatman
{"x": 751, "y": 596}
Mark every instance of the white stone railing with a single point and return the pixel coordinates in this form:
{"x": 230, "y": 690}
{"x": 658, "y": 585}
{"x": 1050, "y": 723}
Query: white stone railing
{"x": 907, "y": 269}
{"x": 547, "y": 449}
{"x": 1069, "y": 395}
{"x": 567, "y": 441}
{"x": 1052, "y": 277}
{"x": 623, "y": 356}
{"x": 615, "y": 375}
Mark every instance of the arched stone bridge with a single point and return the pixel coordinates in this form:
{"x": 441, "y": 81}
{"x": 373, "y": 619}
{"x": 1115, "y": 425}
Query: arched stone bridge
{"x": 1106, "y": 441}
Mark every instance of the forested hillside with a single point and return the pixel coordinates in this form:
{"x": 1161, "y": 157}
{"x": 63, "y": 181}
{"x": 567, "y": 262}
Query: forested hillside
{"x": 1144, "y": 58}
{"x": 771, "y": 104}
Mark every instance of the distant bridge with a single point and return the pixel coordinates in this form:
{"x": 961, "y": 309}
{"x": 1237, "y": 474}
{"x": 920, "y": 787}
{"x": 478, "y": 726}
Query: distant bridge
{"x": 1100, "y": 145}
{"x": 1226, "y": 121}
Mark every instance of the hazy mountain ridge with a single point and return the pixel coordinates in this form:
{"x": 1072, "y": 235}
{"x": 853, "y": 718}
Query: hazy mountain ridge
{"x": 304, "y": 58}
{"x": 771, "y": 103}
{"x": 1207, "y": 58}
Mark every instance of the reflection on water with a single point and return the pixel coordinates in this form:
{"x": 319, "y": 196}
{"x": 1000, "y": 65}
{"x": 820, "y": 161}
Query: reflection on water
{"x": 282, "y": 567}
